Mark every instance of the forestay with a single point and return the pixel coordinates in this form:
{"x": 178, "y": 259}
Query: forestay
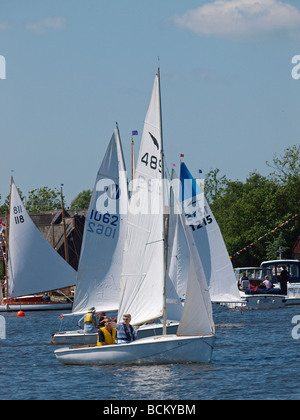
{"x": 98, "y": 278}
{"x": 33, "y": 265}
{"x": 142, "y": 280}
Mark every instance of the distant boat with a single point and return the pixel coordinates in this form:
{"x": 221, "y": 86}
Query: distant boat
{"x": 99, "y": 270}
{"x": 33, "y": 265}
{"x": 144, "y": 272}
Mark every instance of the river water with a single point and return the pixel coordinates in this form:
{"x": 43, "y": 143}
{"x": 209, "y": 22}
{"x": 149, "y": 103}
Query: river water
{"x": 255, "y": 357}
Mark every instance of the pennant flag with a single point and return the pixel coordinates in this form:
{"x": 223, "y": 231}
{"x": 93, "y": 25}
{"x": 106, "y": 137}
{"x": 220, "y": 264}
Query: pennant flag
{"x": 266, "y": 234}
{"x": 134, "y": 133}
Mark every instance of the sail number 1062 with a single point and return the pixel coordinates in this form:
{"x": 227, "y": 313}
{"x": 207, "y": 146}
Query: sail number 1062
{"x": 107, "y": 227}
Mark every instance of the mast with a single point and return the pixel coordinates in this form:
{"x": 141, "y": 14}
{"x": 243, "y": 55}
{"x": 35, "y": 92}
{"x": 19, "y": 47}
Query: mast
{"x": 132, "y": 146}
{"x": 64, "y": 224}
{"x": 165, "y": 217}
{"x": 7, "y": 241}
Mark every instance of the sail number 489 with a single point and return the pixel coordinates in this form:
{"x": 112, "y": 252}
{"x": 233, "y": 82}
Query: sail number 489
{"x": 152, "y": 161}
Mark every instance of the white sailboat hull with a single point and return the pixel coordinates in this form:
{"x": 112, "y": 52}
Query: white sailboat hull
{"x": 153, "y": 350}
{"x": 79, "y": 337}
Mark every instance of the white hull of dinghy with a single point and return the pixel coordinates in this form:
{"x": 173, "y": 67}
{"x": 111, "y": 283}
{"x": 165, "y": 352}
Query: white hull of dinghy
{"x": 79, "y": 337}
{"x": 35, "y": 307}
{"x": 152, "y": 350}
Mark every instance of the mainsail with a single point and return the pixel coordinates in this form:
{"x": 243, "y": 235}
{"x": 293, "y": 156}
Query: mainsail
{"x": 98, "y": 277}
{"x": 33, "y": 265}
{"x": 142, "y": 280}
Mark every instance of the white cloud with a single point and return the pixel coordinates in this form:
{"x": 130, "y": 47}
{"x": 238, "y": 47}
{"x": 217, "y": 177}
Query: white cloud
{"x": 50, "y": 23}
{"x": 235, "y": 18}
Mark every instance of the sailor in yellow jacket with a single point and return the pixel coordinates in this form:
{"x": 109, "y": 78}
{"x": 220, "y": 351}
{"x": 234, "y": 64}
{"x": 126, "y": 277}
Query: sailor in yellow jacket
{"x": 107, "y": 334}
{"x": 89, "y": 322}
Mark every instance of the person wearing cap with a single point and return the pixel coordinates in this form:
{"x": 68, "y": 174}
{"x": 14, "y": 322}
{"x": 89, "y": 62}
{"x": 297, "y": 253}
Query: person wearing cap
{"x": 89, "y": 322}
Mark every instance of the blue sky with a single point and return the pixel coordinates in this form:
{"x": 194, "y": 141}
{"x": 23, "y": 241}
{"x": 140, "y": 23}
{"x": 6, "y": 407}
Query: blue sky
{"x": 74, "y": 68}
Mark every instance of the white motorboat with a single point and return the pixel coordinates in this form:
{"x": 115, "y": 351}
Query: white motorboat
{"x": 250, "y": 279}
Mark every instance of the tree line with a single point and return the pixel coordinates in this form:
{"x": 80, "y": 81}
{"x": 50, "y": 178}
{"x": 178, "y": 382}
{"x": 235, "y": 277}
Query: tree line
{"x": 245, "y": 211}
{"x": 254, "y": 209}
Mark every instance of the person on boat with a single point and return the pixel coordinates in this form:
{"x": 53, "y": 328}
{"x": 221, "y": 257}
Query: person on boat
{"x": 101, "y": 316}
{"x": 46, "y": 298}
{"x": 283, "y": 280}
{"x": 267, "y": 283}
{"x": 107, "y": 335}
{"x": 89, "y": 322}
{"x": 125, "y": 331}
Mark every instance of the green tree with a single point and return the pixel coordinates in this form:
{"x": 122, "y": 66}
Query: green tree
{"x": 82, "y": 200}
{"x": 287, "y": 167}
{"x": 215, "y": 185}
{"x": 275, "y": 249}
{"x": 43, "y": 199}
{"x": 5, "y": 207}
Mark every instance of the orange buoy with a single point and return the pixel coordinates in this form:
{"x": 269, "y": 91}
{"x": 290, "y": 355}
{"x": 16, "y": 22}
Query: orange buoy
{"x": 20, "y": 313}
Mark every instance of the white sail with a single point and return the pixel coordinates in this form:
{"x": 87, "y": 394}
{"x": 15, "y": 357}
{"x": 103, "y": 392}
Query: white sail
{"x": 178, "y": 258}
{"x": 212, "y": 249}
{"x": 33, "y": 265}
{"x": 98, "y": 277}
{"x": 186, "y": 271}
{"x": 142, "y": 280}
{"x": 178, "y": 251}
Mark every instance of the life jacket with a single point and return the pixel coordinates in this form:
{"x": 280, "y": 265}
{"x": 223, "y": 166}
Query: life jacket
{"x": 88, "y": 319}
{"x": 109, "y": 338}
{"x": 125, "y": 334}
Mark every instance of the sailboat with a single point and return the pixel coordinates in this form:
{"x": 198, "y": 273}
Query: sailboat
{"x": 209, "y": 242}
{"x": 33, "y": 265}
{"x": 99, "y": 270}
{"x": 143, "y": 279}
